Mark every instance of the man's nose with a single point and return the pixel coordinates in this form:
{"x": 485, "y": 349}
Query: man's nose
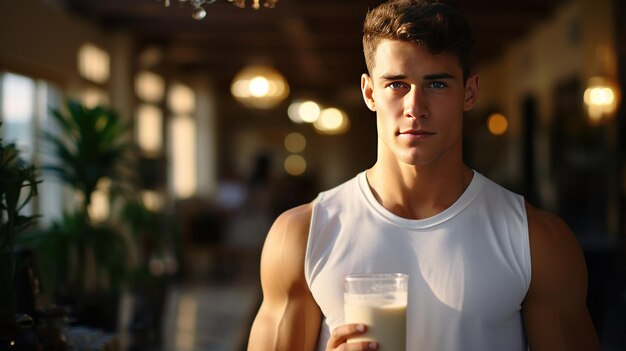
{"x": 415, "y": 105}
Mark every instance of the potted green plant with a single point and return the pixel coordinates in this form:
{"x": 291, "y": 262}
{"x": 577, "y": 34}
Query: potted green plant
{"x": 93, "y": 145}
{"x": 18, "y": 185}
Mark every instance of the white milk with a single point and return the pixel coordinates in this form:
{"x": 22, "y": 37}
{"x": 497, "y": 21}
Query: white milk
{"x": 386, "y": 320}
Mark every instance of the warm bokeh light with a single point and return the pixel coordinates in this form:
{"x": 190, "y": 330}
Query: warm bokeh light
{"x": 304, "y": 111}
{"x": 309, "y": 111}
{"x": 99, "y": 206}
{"x": 92, "y": 97}
{"x": 601, "y": 98}
{"x": 183, "y": 156}
{"x": 149, "y": 87}
{"x": 293, "y": 111}
{"x": 93, "y": 63}
{"x": 259, "y": 87}
{"x": 152, "y": 200}
{"x": 331, "y": 118}
{"x": 295, "y": 142}
{"x": 497, "y": 124}
{"x": 295, "y": 165}
{"x": 149, "y": 129}
{"x": 181, "y": 99}
{"x": 332, "y": 121}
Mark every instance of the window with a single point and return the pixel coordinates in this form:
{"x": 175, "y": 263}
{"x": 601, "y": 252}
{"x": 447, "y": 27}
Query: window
{"x": 181, "y": 101}
{"x": 26, "y": 104}
{"x": 18, "y": 109}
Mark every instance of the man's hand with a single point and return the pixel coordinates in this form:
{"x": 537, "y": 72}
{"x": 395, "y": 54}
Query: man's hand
{"x": 337, "y": 341}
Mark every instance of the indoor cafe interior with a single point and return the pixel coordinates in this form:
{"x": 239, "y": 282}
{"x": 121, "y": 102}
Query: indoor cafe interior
{"x": 160, "y": 139}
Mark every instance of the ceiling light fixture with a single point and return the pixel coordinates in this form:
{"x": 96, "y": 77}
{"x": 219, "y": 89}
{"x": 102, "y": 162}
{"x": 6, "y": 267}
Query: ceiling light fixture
{"x": 602, "y": 94}
{"x": 199, "y": 12}
{"x": 259, "y": 87}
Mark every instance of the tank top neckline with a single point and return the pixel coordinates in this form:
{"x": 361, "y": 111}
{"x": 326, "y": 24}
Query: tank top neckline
{"x": 465, "y": 199}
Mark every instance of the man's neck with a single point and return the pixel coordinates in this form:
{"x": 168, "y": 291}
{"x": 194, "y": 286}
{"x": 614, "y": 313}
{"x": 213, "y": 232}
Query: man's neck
{"x": 418, "y": 192}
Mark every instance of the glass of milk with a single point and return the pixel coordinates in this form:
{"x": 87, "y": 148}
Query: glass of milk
{"x": 378, "y": 301}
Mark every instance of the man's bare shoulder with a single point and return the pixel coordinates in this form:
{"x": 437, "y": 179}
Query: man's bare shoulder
{"x": 286, "y": 242}
{"x": 299, "y": 216}
{"x": 558, "y": 264}
{"x": 549, "y": 232}
{"x": 292, "y": 225}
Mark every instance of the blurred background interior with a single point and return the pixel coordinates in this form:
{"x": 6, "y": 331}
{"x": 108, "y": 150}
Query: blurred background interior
{"x": 168, "y": 138}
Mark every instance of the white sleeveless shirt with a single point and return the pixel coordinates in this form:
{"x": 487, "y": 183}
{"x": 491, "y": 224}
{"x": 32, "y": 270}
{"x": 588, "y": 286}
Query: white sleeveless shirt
{"x": 469, "y": 266}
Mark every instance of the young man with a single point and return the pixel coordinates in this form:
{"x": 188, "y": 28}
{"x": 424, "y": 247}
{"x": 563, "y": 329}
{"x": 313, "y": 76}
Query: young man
{"x": 487, "y": 270}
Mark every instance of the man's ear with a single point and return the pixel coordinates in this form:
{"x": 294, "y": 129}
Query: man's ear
{"x": 471, "y": 92}
{"x": 367, "y": 89}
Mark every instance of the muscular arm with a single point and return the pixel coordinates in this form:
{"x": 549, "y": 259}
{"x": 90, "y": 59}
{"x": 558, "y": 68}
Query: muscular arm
{"x": 289, "y": 318}
{"x": 554, "y": 310}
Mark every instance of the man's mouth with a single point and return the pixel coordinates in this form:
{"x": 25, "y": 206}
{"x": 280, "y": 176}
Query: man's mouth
{"x": 416, "y": 133}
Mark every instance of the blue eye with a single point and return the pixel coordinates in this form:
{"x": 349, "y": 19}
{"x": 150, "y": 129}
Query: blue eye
{"x": 396, "y": 85}
{"x": 437, "y": 85}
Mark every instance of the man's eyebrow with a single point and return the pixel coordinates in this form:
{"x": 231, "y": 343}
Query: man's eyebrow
{"x": 437, "y": 76}
{"x": 393, "y": 76}
{"x": 433, "y": 76}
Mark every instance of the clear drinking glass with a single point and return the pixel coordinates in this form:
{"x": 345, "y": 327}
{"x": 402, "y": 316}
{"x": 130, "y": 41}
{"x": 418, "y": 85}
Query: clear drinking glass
{"x": 380, "y": 302}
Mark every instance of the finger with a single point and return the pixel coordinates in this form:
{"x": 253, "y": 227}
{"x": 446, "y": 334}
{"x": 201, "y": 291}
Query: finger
{"x": 342, "y": 333}
{"x": 360, "y": 346}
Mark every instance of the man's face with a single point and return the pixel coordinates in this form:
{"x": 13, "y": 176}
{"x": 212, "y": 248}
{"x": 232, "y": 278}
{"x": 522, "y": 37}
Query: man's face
{"x": 419, "y": 99}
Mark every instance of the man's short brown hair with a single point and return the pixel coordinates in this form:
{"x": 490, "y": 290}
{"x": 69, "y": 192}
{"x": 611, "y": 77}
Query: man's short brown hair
{"x": 438, "y": 27}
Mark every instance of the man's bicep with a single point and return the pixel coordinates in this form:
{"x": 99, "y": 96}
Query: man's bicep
{"x": 288, "y": 318}
{"x": 294, "y": 326}
{"x": 553, "y": 324}
{"x": 554, "y": 311}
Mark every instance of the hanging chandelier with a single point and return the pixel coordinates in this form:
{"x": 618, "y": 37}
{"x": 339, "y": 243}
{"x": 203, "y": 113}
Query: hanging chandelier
{"x": 199, "y": 12}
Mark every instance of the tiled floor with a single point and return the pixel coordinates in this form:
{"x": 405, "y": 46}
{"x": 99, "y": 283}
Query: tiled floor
{"x": 208, "y": 317}
{"x": 214, "y": 308}
{"x": 210, "y": 309}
